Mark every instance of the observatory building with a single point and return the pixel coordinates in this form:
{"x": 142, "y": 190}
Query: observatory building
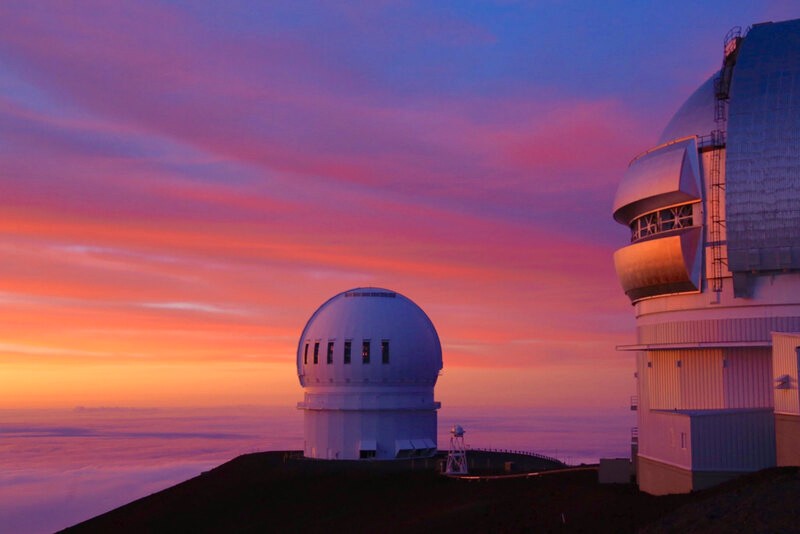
{"x": 713, "y": 272}
{"x": 368, "y": 360}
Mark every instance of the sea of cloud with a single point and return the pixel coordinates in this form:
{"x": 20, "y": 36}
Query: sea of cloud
{"x": 60, "y": 467}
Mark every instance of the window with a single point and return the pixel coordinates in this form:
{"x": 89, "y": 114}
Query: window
{"x": 329, "y": 358}
{"x": 365, "y": 351}
{"x": 316, "y": 353}
{"x": 661, "y": 221}
{"x": 305, "y": 354}
{"x": 348, "y": 349}
{"x": 683, "y": 440}
{"x": 385, "y": 351}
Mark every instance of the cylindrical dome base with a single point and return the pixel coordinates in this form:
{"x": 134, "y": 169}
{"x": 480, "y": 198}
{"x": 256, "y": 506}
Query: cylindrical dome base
{"x": 369, "y": 434}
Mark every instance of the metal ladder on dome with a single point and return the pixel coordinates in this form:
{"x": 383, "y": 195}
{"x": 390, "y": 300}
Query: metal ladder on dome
{"x": 722, "y": 85}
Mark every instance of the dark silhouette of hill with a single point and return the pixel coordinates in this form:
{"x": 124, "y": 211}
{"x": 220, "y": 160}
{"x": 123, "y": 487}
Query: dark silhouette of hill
{"x": 274, "y": 492}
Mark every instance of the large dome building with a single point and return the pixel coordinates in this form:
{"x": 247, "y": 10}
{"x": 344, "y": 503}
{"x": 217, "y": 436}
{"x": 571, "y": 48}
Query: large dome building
{"x": 368, "y": 360}
{"x": 713, "y": 271}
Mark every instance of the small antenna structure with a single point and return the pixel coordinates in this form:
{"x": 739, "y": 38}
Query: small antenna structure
{"x": 457, "y": 457}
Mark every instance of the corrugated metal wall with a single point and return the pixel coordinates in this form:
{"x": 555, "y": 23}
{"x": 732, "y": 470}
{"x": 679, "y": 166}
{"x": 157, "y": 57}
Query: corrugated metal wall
{"x": 732, "y": 441}
{"x": 748, "y": 378}
{"x": 785, "y": 362}
{"x": 717, "y": 330}
{"x": 762, "y": 180}
{"x": 664, "y": 380}
{"x": 685, "y": 380}
{"x": 701, "y": 379}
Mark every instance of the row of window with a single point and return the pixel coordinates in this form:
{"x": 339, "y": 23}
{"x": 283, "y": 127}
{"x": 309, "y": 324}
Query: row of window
{"x": 661, "y": 221}
{"x": 366, "y": 351}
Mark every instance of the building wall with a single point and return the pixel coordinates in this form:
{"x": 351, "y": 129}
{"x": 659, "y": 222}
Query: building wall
{"x": 663, "y": 374}
{"x": 733, "y": 441}
{"x": 785, "y": 362}
{"x": 614, "y": 471}
{"x": 658, "y": 478}
{"x": 701, "y": 379}
{"x": 708, "y": 379}
{"x": 665, "y": 437}
{"x": 787, "y": 439}
{"x": 705, "y": 411}
{"x": 340, "y": 434}
{"x": 743, "y": 325}
{"x": 747, "y": 377}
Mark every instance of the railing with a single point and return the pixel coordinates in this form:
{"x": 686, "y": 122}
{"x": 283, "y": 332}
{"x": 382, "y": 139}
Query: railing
{"x": 634, "y": 403}
{"x": 634, "y": 435}
{"x": 714, "y": 139}
{"x": 731, "y": 41}
{"x": 521, "y": 453}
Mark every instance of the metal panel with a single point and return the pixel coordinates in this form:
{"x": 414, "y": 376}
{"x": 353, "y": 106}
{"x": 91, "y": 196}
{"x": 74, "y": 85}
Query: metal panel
{"x": 785, "y": 363}
{"x": 664, "y": 381}
{"x": 661, "y": 265}
{"x": 747, "y": 378}
{"x": 701, "y": 379}
{"x": 695, "y": 116}
{"x": 763, "y": 151}
{"x": 666, "y": 175}
{"x": 685, "y": 380}
{"x": 733, "y": 440}
{"x": 755, "y": 329}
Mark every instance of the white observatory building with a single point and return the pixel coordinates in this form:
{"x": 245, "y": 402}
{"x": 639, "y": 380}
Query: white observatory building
{"x": 713, "y": 272}
{"x": 368, "y": 360}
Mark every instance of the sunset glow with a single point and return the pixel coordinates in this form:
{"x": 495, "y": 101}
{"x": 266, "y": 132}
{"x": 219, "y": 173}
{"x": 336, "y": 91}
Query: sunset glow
{"x": 183, "y": 183}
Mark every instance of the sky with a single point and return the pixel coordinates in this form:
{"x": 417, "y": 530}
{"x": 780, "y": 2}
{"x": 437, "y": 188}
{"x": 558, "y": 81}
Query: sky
{"x": 183, "y": 183}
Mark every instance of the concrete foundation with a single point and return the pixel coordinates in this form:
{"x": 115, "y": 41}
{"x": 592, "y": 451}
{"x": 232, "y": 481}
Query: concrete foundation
{"x": 657, "y": 478}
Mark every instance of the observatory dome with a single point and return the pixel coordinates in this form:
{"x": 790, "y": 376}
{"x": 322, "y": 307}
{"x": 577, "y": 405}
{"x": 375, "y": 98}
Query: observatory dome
{"x": 730, "y": 154}
{"x": 695, "y": 116}
{"x": 369, "y": 335}
{"x": 712, "y": 269}
{"x": 368, "y": 360}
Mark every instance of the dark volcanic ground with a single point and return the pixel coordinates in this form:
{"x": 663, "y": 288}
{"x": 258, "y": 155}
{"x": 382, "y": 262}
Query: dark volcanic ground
{"x": 271, "y": 492}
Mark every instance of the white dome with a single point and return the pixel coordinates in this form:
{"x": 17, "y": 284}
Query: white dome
{"x": 368, "y": 360}
{"x": 401, "y": 340}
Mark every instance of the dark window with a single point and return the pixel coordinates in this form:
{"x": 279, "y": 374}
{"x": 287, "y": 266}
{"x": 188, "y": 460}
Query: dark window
{"x": 305, "y": 354}
{"x": 348, "y": 349}
{"x": 366, "y": 454}
{"x": 330, "y": 352}
{"x": 316, "y": 352}
{"x": 385, "y": 351}
{"x": 365, "y": 351}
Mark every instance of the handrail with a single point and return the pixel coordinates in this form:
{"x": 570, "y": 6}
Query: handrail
{"x": 522, "y": 453}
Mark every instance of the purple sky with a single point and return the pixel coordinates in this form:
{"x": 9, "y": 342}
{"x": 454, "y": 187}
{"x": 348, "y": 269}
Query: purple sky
{"x": 183, "y": 183}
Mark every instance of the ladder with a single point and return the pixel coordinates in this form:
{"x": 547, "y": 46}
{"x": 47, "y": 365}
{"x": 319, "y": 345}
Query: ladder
{"x": 722, "y": 85}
